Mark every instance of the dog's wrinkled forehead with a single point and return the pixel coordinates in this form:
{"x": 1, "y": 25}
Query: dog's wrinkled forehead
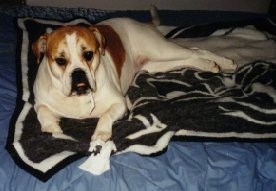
{"x": 67, "y": 41}
{"x": 62, "y": 41}
{"x": 64, "y": 38}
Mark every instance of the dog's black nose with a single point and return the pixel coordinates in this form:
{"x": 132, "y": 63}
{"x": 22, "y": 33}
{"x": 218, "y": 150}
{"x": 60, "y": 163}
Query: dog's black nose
{"x": 80, "y": 84}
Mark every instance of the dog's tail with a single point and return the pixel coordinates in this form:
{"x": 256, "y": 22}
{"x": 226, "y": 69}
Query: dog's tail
{"x": 155, "y": 19}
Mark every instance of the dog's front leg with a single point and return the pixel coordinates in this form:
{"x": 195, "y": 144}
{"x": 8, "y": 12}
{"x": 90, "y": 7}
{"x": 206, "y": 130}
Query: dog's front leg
{"x": 47, "y": 119}
{"x": 103, "y": 130}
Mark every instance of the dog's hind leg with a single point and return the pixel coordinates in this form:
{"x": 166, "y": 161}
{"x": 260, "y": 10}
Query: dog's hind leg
{"x": 159, "y": 49}
{"x": 196, "y": 63}
{"x": 177, "y": 57}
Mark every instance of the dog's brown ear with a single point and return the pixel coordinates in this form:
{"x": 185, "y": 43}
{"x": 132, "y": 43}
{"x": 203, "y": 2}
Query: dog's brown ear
{"x": 39, "y": 47}
{"x": 100, "y": 38}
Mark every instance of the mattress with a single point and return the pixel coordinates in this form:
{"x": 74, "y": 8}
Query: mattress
{"x": 186, "y": 164}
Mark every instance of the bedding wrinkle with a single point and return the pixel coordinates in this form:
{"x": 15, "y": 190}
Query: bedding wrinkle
{"x": 264, "y": 173}
{"x": 6, "y": 170}
{"x": 191, "y": 155}
{"x": 132, "y": 171}
{"x": 265, "y": 166}
{"x": 153, "y": 179}
{"x": 223, "y": 165}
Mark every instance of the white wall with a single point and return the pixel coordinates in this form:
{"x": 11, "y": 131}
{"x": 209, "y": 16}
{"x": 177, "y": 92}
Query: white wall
{"x": 258, "y": 6}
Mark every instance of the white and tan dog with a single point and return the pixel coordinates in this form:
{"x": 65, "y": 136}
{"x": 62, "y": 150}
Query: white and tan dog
{"x": 86, "y": 71}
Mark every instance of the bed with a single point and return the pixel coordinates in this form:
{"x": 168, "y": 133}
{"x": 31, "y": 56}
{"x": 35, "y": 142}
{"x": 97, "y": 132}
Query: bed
{"x": 187, "y": 129}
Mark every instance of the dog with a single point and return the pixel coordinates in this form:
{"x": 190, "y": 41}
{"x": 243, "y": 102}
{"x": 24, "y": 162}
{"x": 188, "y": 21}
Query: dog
{"x": 85, "y": 71}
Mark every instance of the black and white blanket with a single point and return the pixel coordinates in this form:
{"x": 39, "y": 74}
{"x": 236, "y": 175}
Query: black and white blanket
{"x": 186, "y": 103}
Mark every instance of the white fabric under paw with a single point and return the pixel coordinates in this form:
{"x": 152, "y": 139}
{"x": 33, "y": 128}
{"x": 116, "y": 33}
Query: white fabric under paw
{"x": 99, "y": 160}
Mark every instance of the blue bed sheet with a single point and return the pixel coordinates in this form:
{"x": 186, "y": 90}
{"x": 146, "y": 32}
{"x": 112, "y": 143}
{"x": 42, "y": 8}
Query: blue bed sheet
{"x": 7, "y": 74}
{"x": 185, "y": 165}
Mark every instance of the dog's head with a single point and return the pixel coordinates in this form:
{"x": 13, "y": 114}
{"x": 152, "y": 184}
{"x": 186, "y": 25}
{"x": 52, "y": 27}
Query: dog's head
{"x": 73, "y": 55}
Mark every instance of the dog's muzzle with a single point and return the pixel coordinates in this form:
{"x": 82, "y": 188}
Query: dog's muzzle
{"x": 80, "y": 84}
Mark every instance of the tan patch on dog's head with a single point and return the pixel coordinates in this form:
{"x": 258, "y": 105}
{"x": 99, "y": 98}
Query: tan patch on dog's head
{"x": 56, "y": 45}
{"x": 97, "y": 39}
{"x": 113, "y": 44}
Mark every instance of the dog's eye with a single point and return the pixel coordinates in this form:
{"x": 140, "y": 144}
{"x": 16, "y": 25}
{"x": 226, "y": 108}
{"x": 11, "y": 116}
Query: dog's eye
{"x": 88, "y": 55}
{"x": 61, "y": 61}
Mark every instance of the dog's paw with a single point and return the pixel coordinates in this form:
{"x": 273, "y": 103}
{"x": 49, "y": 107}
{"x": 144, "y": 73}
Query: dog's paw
{"x": 233, "y": 66}
{"x": 228, "y": 64}
{"x": 209, "y": 65}
{"x": 214, "y": 67}
{"x": 53, "y": 128}
{"x": 101, "y": 135}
